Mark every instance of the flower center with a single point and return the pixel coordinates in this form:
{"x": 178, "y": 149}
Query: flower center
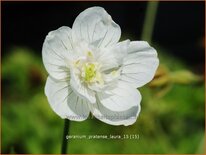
{"x": 89, "y": 71}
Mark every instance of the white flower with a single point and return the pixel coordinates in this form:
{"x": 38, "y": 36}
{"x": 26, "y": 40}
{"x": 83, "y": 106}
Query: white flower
{"x": 90, "y": 71}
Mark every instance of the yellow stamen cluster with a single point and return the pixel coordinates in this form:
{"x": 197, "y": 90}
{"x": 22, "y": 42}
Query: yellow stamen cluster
{"x": 89, "y": 72}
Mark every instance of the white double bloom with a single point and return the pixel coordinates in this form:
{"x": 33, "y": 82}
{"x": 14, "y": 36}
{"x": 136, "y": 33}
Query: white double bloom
{"x": 90, "y": 71}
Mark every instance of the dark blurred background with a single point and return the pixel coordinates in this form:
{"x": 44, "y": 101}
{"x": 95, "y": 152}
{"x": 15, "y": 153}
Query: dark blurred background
{"x": 179, "y": 26}
{"x": 172, "y": 119}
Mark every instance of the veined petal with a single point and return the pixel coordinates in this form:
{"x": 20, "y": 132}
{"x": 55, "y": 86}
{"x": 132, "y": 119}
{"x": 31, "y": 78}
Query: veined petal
{"x": 113, "y": 76}
{"x": 109, "y": 116}
{"x": 120, "y": 98}
{"x": 120, "y": 50}
{"x": 140, "y": 65}
{"x": 125, "y": 118}
{"x": 81, "y": 89}
{"x": 112, "y": 57}
{"x": 64, "y": 101}
{"x": 96, "y": 26}
{"x": 56, "y": 52}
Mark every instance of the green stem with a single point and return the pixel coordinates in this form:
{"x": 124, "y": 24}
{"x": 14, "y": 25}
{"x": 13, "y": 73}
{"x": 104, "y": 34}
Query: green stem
{"x": 64, "y": 140}
{"x": 149, "y": 21}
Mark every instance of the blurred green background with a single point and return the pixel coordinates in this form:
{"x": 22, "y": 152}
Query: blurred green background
{"x": 171, "y": 121}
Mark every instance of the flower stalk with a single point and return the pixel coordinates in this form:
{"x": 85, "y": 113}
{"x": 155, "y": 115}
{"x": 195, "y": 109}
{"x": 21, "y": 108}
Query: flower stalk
{"x": 149, "y": 21}
{"x": 64, "y": 139}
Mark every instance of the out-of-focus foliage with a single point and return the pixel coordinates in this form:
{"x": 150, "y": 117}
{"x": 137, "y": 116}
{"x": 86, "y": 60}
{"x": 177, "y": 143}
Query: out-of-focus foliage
{"x": 171, "y": 120}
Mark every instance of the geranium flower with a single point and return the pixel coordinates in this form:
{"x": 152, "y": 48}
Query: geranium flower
{"x": 91, "y": 71}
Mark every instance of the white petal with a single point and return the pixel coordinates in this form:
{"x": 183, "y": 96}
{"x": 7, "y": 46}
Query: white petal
{"x": 112, "y": 57}
{"x": 64, "y": 101}
{"x": 113, "y": 76}
{"x": 81, "y": 89}
{"x": 107, "y": 59}
{"x": 56, "y": 52}
{"x": 140, "y": 65}
{"x": 120, "y": 50}
{"x": 96, "y": 26}
{"x": 109, "y": 116}
{"x": 122, "y": 97}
